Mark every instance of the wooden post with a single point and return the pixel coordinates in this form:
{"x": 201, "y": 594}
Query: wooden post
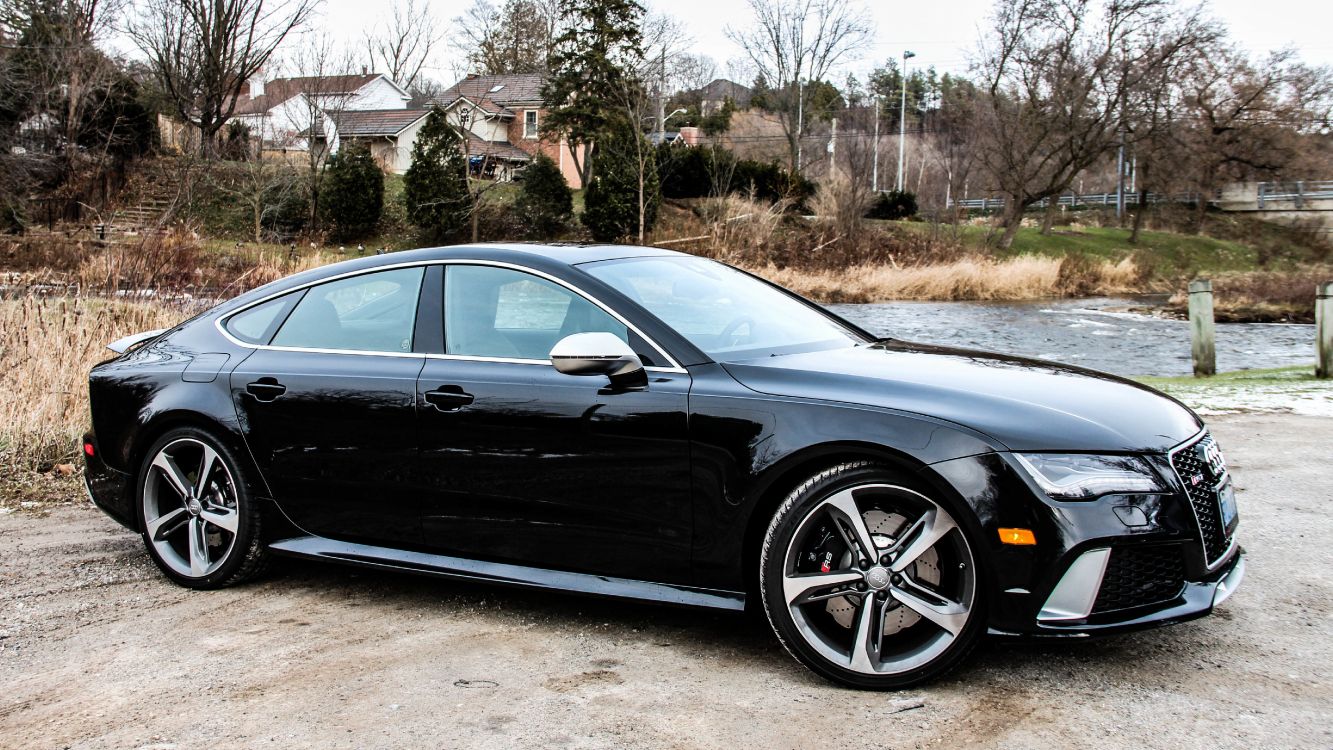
{"x": 1202, "y": 338}
{"x": 1323, "y": 330}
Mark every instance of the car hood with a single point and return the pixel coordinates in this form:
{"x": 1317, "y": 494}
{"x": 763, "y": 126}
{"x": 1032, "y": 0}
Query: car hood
{"x": 1024, "y": 404}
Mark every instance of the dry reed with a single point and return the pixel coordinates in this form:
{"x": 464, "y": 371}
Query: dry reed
{"x": 971, "y": 278}
{"x": 47, "y": 346}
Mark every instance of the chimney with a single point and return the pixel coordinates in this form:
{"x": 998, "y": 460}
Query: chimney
{"x": 471, "y": 76}
{"x": 690, "y": 136}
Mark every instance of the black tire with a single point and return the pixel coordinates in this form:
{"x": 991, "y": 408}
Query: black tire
{"x": 223, "y": 496}
{"x": 809, "y": 528}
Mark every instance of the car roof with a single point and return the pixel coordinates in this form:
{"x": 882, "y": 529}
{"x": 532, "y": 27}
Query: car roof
{"x": 570, "y": 253}
{"x": 543, "y": 257}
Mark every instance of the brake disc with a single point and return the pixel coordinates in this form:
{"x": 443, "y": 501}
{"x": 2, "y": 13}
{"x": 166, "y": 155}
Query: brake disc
{"x": 884, "y": 529}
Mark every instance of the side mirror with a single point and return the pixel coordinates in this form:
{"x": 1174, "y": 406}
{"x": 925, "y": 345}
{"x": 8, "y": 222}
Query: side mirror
{"x": 598, "y": 353}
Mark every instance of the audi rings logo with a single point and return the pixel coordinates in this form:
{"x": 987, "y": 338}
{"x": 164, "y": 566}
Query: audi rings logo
{"x": 1216, "y": 463}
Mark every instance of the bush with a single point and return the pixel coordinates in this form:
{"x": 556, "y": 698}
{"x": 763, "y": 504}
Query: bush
{"x": 710, "y": 171}
{"x": 893, "y": 205}
{"x": 435, "y": 187}
{"x": 353, "y": 196}
{"x": 545, "y": 203}
{"x": 611, "y": 202}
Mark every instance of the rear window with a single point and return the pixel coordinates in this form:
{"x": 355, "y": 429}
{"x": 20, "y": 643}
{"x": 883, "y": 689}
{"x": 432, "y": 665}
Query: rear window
{"x": 256, "y": 325}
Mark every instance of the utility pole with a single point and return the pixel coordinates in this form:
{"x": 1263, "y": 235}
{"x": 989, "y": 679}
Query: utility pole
{"x": 800, "y": 120}
{"x": 661, "y": 97}
{"x": 833, "y": 145}
{"x": 874, "y": 170}
{"x": 902, "y": 121}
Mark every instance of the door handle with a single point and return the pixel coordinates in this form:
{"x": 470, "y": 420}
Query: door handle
{"x": 448, "y": 398}
{"x": 265, "y": 389}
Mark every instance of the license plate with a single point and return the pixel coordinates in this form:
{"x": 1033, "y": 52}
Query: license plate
{"x": 1226, "y": 499}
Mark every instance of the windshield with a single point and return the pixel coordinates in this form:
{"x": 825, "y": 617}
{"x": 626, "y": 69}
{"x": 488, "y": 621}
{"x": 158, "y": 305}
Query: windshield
{"x": 725, "y": 313}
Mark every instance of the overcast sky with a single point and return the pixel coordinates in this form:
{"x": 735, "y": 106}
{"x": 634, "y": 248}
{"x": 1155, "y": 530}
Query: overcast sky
{"x": 939, "y": 31}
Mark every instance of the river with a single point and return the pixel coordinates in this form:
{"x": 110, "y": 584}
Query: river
{"x": 1098, "y": 333}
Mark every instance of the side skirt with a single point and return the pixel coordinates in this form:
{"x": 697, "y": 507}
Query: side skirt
{"x": 444, "y": 566}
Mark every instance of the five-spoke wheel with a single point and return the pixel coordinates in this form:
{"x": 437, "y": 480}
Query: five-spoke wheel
{"x": 870, "y": 581}
{"x": 198, "y": 523}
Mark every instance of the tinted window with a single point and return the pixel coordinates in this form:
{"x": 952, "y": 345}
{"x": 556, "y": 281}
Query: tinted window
{"x": 255, "y": 326}
{"x": 500, "y": 312}
{"x": 724, "y": 312}
{"x": 374, "y": 312}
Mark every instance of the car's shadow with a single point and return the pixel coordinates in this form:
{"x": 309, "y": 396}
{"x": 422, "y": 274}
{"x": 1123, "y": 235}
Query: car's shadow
{"x": 734, "y": 636}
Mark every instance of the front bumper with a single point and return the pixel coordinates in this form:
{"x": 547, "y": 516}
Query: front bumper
{"x": 1196, "y": 599}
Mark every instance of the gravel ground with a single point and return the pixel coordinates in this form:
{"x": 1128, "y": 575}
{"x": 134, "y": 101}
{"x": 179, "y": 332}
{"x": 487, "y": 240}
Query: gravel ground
{"x": 98, "y": 650}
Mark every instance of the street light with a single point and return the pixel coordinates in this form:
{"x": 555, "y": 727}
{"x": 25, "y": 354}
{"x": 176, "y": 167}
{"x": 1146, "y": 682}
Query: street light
{"x": 902, "y": 120}
{"x": 673, "y": 114}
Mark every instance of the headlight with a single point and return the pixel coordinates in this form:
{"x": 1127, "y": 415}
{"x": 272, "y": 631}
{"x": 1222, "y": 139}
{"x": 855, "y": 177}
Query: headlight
{"x": 1086, "y": 477}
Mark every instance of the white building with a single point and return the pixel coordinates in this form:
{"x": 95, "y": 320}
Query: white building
{"x": 285, "y": 112}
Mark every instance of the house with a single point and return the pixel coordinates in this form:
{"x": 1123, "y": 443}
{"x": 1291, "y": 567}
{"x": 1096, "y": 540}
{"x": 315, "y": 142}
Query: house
{"x": 289, "y": 114}
{"x": 716, "y": 93}
{"x": 502, "y": 115}
{"x": 389, "y": 133}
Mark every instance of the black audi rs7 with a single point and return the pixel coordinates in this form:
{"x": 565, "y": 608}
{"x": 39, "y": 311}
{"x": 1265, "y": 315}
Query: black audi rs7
{"x": 640, "y": 423}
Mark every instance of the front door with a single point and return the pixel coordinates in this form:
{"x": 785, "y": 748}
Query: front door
{"x": 526, "y": 465}
{"x": 329, "y": 409}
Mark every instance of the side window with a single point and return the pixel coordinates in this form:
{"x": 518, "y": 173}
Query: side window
{"x": 500, "y": 312}
{"x": 373, "y": 312}
{"x": 255, "y": 326}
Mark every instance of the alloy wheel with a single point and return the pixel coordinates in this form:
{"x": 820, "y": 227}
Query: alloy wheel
{"x": 191, "y": 515}
{"x": 879, "y": 579}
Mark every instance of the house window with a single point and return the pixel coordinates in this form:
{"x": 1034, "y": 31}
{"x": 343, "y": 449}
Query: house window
{"x": 530, "y": 123}
{"x": 464, "y": 114}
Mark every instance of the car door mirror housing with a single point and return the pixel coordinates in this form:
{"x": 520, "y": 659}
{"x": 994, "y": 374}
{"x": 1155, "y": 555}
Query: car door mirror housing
{"x": 597, "y": 353}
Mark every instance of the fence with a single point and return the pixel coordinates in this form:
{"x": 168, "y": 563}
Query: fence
{"x": 1300, "y": 193}
{"x": 1088, "y": 199}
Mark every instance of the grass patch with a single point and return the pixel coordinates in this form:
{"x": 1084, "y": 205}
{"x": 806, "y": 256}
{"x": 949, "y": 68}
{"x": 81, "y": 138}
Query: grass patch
{"x": 1275, "y": 376}
{"x": 1291, "y": 390}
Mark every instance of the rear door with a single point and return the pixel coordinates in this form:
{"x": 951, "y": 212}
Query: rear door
{"x": 328, "y": 406}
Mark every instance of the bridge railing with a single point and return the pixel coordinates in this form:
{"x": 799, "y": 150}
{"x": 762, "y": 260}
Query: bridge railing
{"x": 1085, "y": 199}
{"x": 1299, "y": 192}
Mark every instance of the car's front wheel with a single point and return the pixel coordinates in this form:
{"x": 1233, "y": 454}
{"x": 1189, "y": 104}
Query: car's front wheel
{"x": 869, "y": 581}
{"x": 199, "y": 522}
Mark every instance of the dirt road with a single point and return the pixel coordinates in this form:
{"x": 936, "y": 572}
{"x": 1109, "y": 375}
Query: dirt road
{"x": 98, "y": 650}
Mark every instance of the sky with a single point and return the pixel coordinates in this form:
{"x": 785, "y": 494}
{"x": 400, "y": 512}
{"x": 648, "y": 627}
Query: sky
{"x": 940, "y": 32}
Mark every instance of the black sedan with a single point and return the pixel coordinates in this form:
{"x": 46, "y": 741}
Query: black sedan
{"x": 639, "y": 423}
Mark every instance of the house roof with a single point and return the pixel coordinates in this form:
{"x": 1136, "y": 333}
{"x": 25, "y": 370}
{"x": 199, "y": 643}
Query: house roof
{"x": 477, "y": 146}
{"x": 280, "y": 90}
{"x": 501, "y": 90}
{"x": 373, "y": 122}
{"x": 721, "y": 88}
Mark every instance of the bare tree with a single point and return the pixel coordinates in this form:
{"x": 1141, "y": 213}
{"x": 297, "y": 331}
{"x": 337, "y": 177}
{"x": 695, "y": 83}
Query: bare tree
{"x": 515, "y": 37}
{"x": 203, "y": 52}
{"x": 1244, "y": 120}
{"x": 402, "y": 43}
{"x": 794, "y": 41}
{"x": 1056, "y": 77}
{"x": 326, "y": 90}
{"x": 262, "y": 186}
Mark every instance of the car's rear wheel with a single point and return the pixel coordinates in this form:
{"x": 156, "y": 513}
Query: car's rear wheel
{"x": 870, "y": 581}
{"x": 199, "y": 522}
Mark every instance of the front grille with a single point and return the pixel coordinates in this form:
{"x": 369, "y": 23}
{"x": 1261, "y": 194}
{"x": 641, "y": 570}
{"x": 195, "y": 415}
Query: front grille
{"x": 1139, "y": 576}
{"x": 1200, "y": 485}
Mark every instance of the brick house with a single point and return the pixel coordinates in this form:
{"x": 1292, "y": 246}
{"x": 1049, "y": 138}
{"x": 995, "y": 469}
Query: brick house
{"x": 502, "y": 115}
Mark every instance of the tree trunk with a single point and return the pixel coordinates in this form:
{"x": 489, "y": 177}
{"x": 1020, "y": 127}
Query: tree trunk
{"x": 259, "y": 221}
{"x": 1138, "y": 216}
{"x": 1200, "y": 212}
{"x": 1048, "y": 216}
{"x": 476, "y": 217}
{"x": 1013, "y": 219}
